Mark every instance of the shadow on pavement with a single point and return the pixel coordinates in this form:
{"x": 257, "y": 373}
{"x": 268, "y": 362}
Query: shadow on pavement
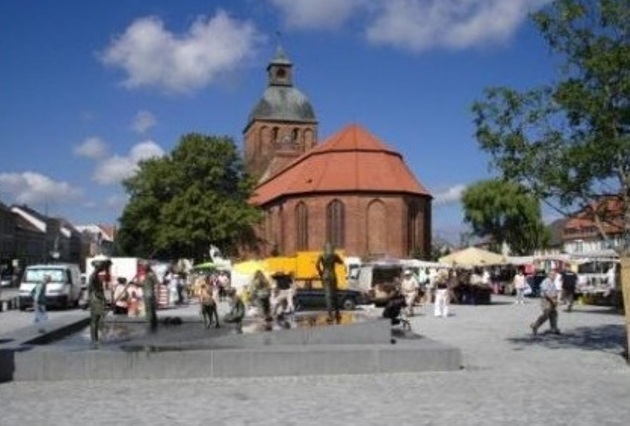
{"x": 609, "y": 338}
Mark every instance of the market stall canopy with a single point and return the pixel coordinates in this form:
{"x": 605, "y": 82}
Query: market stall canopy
{"x": 473, "y": 256}
{"x": 210, "y": 266}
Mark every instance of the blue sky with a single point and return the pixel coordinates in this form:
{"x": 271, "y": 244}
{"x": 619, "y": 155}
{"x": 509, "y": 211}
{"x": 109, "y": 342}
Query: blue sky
{"x": 88, "y": 88}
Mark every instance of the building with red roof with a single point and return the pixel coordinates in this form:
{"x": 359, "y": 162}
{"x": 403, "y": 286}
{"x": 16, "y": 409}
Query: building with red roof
{"x": 352, "y": 190}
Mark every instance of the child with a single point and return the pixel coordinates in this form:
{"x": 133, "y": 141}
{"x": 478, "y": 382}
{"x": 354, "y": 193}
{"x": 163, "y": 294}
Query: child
{"x": 208, "y": 306}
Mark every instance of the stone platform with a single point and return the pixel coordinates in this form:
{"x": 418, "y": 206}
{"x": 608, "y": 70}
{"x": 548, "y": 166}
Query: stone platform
{"x": 306, "y": 347}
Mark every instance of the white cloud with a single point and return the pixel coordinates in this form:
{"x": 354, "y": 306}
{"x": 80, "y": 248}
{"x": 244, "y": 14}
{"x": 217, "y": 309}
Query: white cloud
{"x": 33, "y": 188}
{"x": 117, "y": 168}
{"x": 415, "y": 25}
{"x": 419, "y": 25}
{"x": 153, "y": 56}
{"x": 92, "y": 147}
{"x": 143, "y": 121}
{"x": 309, "y": 14}
{"x": 450, "y": 196}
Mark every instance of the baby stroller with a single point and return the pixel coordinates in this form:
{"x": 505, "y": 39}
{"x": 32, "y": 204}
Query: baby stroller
{"x": 393, "y": 311}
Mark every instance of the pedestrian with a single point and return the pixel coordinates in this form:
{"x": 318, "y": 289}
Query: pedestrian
{"x": 283, "y": 299}
{"x": 429, "y": 288}
{"x": 409, "y": 286}
{"x": 519, "y": 285}
{"x": 96, "y": 296}
{"x": 548, "y": 302}
{"x": 39, "y": 303}
{"x": 442, "y": 294}
{"x": 149, "y": 287}
{"x": 569, "y": 283}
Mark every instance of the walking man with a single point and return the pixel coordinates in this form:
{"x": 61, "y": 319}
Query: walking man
{"x": 549, "y": 300}
{"x": 326, "y": 269}
{"x": 39, "y": 303}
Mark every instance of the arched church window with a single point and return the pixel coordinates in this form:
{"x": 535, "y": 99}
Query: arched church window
{"x": 414, "y": 228}
{"x": 295, "y": 135}
{"x": 335, "y": 224}
{"x": 274, "y": 135}
{"x": 301, "y": 226}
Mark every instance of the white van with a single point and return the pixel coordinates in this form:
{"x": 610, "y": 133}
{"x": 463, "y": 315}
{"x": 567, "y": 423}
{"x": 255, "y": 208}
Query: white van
{"x": 63, "y": 290}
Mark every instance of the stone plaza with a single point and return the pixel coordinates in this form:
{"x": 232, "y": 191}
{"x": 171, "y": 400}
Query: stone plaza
{"x": 507, "y": 376}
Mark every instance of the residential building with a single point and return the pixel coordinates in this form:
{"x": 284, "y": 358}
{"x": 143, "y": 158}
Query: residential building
{"x": 582, "y": 235}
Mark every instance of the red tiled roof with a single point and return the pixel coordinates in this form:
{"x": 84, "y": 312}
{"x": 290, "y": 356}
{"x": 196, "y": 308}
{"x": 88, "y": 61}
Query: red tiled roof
{"x": 109, "y": 231}
{"x": 351, "y": 160}
{"x": 610, "y": 210}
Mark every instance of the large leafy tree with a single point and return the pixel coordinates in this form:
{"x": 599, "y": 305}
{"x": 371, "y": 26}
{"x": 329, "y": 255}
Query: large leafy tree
{"x": 569, "y": 141}
{"x": 507, "y": 212}
{"x": 181, "y": 203}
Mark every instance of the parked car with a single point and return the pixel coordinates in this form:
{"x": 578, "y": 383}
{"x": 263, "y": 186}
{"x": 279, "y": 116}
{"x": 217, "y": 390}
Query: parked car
{"x": 63, "y": 290}
{"x": 6, "y": 281}
{"x": 308, "y": 299}
{"x": 377, "y": 279}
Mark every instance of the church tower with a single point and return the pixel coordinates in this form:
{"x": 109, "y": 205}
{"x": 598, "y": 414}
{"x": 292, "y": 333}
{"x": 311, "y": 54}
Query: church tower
{"x": 282, "y": 125}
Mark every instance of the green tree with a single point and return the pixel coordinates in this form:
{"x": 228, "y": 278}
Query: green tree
{"x": 181, "y": 203}
{"x": 506, "y": 212}
{"x": 569, "y": 141}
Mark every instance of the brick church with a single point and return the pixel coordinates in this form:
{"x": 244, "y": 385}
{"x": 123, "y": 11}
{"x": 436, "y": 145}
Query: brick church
{"x": 351, "y": 189}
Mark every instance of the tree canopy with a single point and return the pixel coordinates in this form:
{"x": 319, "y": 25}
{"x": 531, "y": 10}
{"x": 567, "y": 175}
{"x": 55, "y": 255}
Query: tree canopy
{"x": 506, "y": 212}
{"x": 181, "y": 203}
{"x": 569, "y": 141}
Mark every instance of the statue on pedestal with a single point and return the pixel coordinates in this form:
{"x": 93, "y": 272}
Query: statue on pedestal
{"x": 326, "y": 269}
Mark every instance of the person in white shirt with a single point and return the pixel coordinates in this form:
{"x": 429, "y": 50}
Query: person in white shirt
{"x": 520, "y": 285}
{"x": 549, "y": 303}
{"x": 409, "y": 286}
{"x": 441, "y": 294}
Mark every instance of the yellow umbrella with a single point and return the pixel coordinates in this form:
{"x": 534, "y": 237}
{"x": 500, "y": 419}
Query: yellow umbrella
{"x": 473, "y": 256}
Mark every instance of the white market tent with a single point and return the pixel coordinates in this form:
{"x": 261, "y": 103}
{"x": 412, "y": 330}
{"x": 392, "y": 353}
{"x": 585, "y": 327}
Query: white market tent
{"x": 473, "y": 256}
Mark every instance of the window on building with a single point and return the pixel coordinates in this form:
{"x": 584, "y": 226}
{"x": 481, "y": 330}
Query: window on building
{"x": 301, "y": 226}
{"x": 413, "y": 228}
{"x": 579, "y": 246}
{"x": 335, "y": 225}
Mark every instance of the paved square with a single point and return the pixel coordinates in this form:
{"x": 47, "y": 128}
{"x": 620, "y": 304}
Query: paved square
{"x": 510, "y": 377}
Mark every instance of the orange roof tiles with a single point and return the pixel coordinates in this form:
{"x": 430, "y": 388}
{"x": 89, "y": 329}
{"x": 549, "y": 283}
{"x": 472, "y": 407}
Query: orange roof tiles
{"x": 351, "y": 160}
{"x": 610, "y": 210}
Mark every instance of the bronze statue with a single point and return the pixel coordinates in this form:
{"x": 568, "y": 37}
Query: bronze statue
{"x": 96, "y": 296}
{"x": 149, "y": 289}
{"x": 326, "y": 270}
